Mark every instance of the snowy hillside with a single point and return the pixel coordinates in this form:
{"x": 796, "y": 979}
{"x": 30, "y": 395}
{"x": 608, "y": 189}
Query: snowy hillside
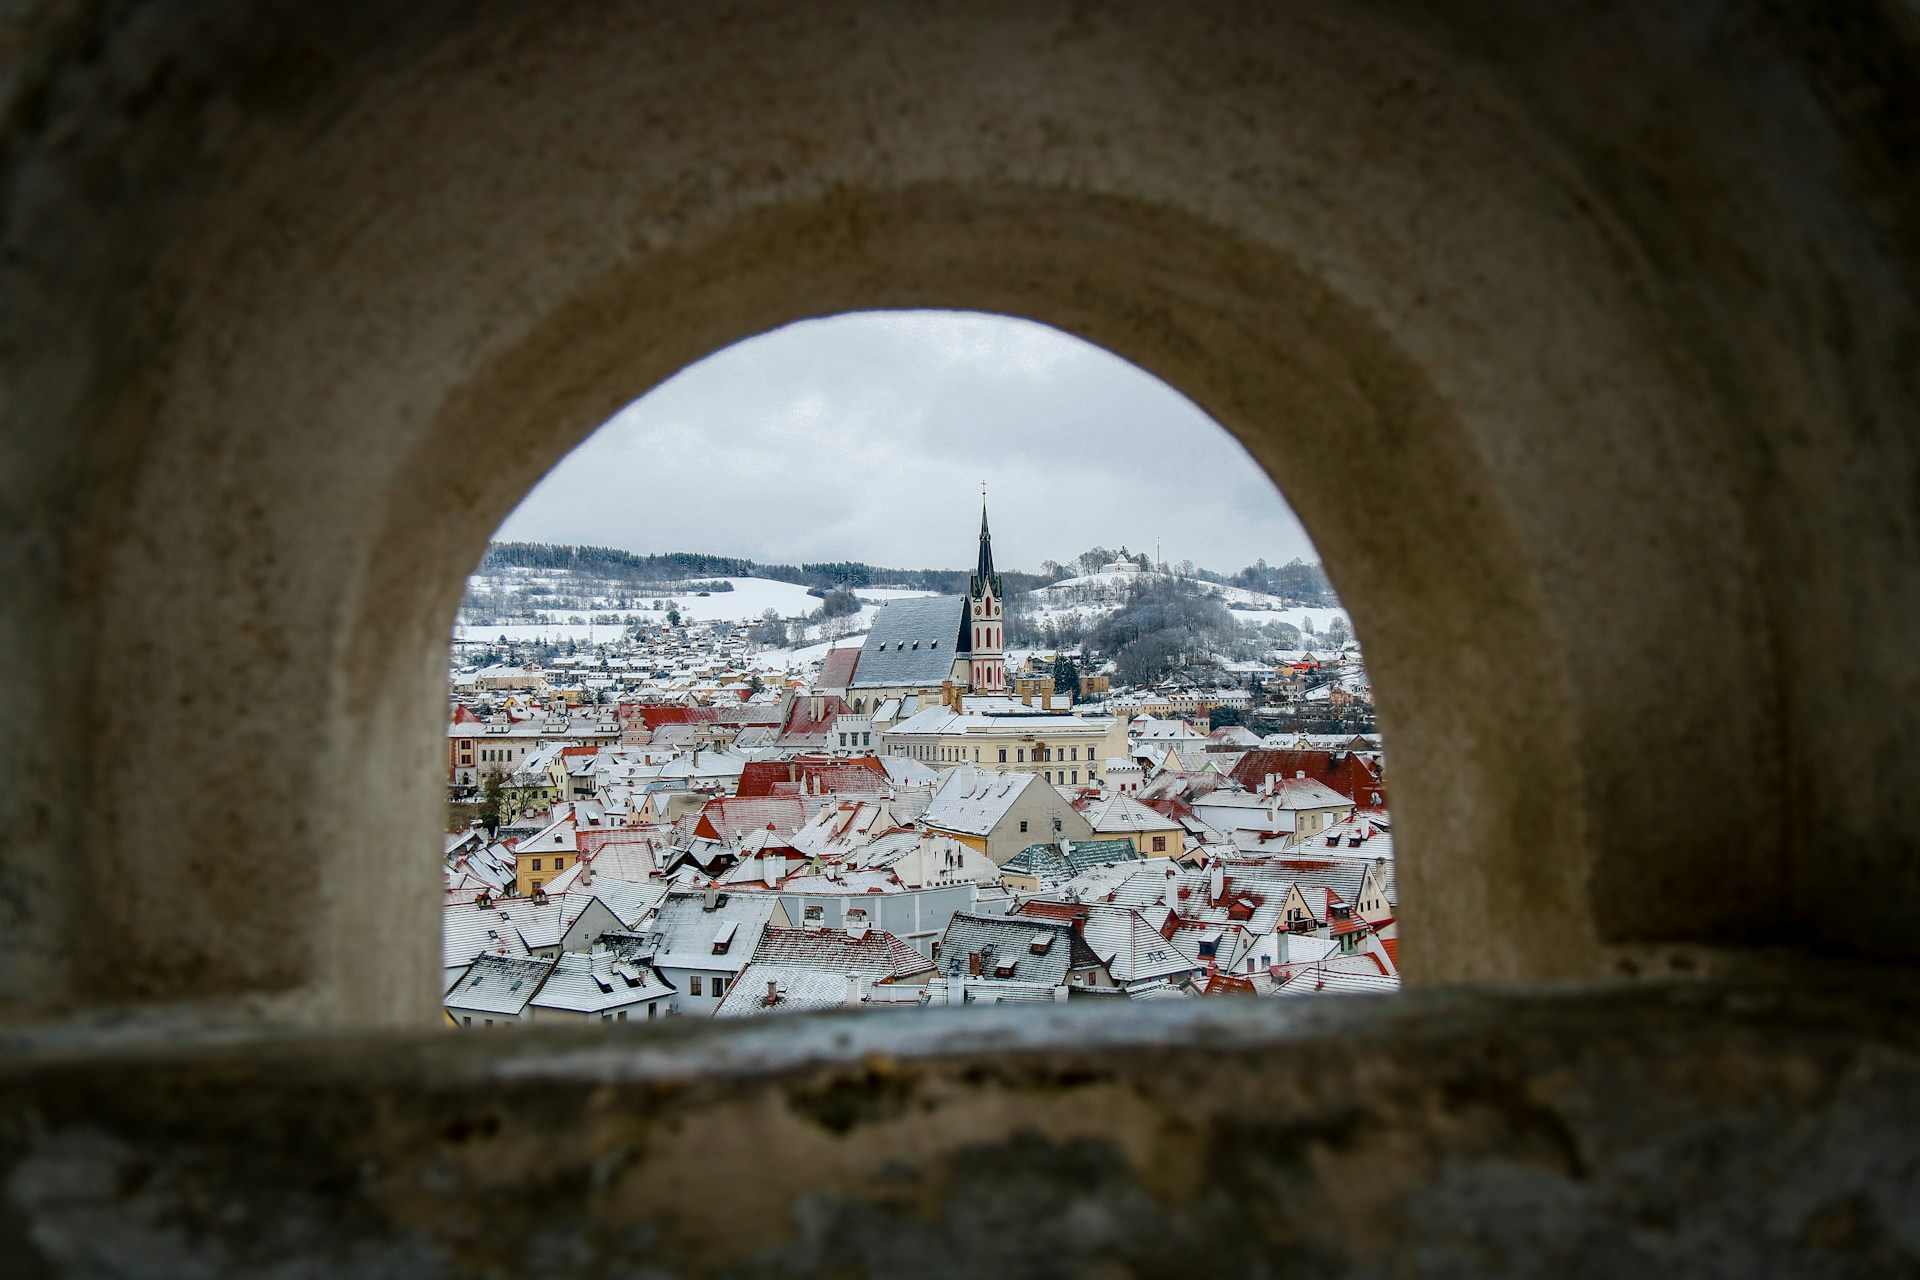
{"x": 612, "y": 603}
{"x": 1097, "y": 594}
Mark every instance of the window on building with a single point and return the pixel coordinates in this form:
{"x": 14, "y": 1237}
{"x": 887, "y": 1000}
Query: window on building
{"x": 623, "y": 1015}
{"x": 1075, "y": 779}
{"x": 466, "y": 1022}
{"x": 606, "y": 1017}
{"x": 1020, "y": 755}
{"x": 559, "y": 864}
{"x": 1023, "y": 826}
{"x": 1049, "y": 775}
{"x": 1003, "y": 755}
{"x": 693, "y": 985}
{"x": 1159, "y": 844}
{"x": 537, "y": 884}
{"x": 719, "y": 985}
{"x": 652, "y": 1009}
{"x": 489, "y": 1021}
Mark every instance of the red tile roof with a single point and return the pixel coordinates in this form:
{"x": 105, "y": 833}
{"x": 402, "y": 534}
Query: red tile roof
{"x": 731, "y": 817}
{"x": 800, "y": 722}
{"x": 1343, "y": 771}
{"x": 822, "y": 775}
{"x": 656, "y": 715}
{"x": 837, "y": 671}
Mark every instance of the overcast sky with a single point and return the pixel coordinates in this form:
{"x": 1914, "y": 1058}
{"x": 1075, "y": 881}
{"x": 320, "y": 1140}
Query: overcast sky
{"x": 866, "y": 437}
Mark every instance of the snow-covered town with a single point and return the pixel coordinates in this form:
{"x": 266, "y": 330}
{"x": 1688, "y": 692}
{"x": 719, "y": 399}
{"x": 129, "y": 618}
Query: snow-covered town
{"x": 735, "y": 796}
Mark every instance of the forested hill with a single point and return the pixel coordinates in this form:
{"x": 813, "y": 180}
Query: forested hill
{"x": 1296, "y": 580}
{"x": 616, "y": 565}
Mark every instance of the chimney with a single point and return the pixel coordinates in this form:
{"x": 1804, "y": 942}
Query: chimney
{"x": 973, "y": 964}
{"x": 1299, "y": 775}
{"x": 816, "y": 706}
{"x": 1216, "y": 882}
{"x": 484, "y": 900}
{"x": 854, "y": 993}
{"x": 773, "y": 992}
{"x": 710, "y": 900}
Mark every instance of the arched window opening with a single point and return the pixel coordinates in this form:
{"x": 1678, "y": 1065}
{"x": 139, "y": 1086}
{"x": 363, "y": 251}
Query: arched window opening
{"x": 697, "y": 710}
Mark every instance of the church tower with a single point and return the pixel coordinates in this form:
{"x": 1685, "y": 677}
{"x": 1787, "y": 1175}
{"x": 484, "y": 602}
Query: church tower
{"x": 984, "y": 600}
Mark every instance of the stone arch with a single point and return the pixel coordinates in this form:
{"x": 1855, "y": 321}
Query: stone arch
{"x": 1521, "y": 392}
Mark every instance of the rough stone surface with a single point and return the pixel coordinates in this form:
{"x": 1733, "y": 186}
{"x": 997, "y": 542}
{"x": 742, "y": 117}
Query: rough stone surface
{"x": 1653, "y": 1130}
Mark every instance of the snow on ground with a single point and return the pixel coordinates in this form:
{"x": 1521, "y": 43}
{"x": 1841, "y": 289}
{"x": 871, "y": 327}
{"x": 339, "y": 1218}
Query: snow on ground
{"x": 797, "y": 659}
{"x": 749, "y": 598}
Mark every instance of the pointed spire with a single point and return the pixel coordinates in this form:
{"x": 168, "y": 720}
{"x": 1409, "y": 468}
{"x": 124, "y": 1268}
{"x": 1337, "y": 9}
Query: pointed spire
{"x": 983, "y": 575}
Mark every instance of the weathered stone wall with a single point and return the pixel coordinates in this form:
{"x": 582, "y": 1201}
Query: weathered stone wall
{"x": 1583, "y": 343}
{"x": 1679, "y": 1131}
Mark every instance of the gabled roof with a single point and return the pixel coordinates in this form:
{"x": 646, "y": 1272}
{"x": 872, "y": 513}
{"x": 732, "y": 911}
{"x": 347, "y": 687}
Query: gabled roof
{"x": 732, "y": 818}
{"x": 1123, "y": 813}
{"x": 1014, "y": 948}
{"x": 817, "y": 775}
{"x": 687, "y": 929}
{"x": 913, "y": 643}
{"x": 973, "y": 801}
{"x": 499, "y": 984}
{"x": 836, "y": 672}
{"x": 1346, "y": 772}
{"x": 801, "y": 722}
{"x": 588, "y": 983}
{"x": 879, "y": 953}
{"x": 797, "y": 989}
{"x": 654, "y": 716}
{"x": 1131, "y": 947}
{"x": 1063, "y": 858}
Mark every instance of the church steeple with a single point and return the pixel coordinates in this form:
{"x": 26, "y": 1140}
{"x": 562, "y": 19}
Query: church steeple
{"x": 987, "y": 666}
{"x": 984, "y": 578}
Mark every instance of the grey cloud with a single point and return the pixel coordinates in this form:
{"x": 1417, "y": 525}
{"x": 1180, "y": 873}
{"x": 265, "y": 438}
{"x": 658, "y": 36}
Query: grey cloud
{"x": 866, "y": 437}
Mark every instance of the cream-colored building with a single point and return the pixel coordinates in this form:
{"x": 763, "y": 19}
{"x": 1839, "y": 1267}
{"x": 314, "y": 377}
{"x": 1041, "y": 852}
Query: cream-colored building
{"x": 1009, "y": 736}
{"x": 1119, "y": 817}
{"x": 999, "y": 814}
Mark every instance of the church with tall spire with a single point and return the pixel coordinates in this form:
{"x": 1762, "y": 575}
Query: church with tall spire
{"x": 921, "y": 649}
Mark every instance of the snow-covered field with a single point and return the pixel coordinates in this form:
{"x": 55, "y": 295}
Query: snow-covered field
{"x": 749, "y": 598}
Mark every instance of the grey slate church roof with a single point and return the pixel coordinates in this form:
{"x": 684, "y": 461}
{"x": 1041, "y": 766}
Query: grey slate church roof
{"x": 913, "y": 643}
